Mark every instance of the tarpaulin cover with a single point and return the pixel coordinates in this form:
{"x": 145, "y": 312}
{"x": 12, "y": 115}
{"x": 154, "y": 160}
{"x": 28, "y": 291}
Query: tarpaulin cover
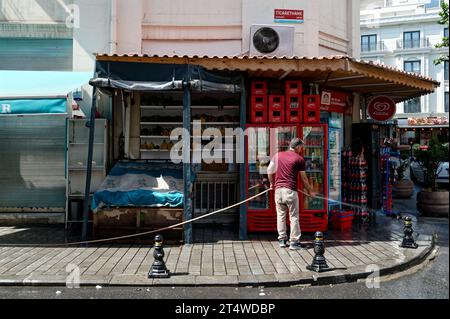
{"x": 33, "y": 106}
{"x": 137, "y": 184}
{"x": 163, "y": 77}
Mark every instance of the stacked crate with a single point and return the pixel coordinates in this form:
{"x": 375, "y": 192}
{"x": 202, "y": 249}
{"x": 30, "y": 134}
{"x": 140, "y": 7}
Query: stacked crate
{"x": 258, "y": 106}
{"x": 294, "y": 101}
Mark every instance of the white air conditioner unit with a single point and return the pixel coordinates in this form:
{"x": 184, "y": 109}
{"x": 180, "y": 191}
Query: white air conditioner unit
{"x": 268, "y": 40}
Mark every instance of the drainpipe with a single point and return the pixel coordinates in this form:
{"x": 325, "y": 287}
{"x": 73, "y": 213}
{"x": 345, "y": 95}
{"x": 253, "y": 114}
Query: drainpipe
{"x": 113, "y": 27}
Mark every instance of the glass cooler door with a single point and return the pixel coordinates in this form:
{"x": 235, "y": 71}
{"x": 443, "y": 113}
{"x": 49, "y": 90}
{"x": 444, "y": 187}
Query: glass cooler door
{"x": 314, "y": 153}
{"x": 283, "y": 137}
{"x": 258, "y": 158}
{"x": 335, "y": 145}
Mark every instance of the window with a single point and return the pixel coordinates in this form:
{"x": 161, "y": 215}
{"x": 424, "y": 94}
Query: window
{"x": 446, "y": 102}
{"x": 412, "y": 66}
{"x": 368, "y": 43}
{"x": 412, "y": 106}
{"x": 445, "y": 32}
{"x": 411, "y": 39}
{"x": 429, "y": 4}
{"x": 446, "y": 70}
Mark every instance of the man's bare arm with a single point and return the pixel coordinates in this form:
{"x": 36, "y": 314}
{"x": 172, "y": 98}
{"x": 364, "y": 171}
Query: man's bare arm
{"x": 271, "y": 173}
{"x": 305, "y": 182}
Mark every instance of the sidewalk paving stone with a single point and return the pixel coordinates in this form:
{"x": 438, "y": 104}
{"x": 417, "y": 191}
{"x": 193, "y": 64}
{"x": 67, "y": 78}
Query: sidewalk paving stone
{"x": 220, "y": 260}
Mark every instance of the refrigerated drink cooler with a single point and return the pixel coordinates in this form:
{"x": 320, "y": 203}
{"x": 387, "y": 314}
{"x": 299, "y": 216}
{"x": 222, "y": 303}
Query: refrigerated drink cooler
{"x": 263, "y": 142}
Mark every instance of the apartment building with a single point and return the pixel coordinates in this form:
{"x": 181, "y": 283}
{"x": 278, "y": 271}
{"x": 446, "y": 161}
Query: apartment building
{"x": 404, "y": 34}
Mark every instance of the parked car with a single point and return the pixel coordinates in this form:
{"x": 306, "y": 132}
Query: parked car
{"x": 418, "y": 174}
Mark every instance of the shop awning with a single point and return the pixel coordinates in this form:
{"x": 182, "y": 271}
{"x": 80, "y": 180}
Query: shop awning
{"x": 341, "y": 73}
{"x": 424, "y": 122}
{"x": 36, "y": 92}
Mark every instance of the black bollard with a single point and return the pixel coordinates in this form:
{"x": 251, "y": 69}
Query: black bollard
{"x": 319, "y": 263}
{"x": 158, "y": 269}
{"x": 408, "y": 240}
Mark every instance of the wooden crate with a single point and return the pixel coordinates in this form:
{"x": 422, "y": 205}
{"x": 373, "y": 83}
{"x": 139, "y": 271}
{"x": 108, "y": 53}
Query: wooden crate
{"x": 114, "y": 222}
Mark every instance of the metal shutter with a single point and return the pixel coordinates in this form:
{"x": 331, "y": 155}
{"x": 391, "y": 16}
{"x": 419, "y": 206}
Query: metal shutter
{"x": 32, "y": 162}
{"x": 36, "y": 54}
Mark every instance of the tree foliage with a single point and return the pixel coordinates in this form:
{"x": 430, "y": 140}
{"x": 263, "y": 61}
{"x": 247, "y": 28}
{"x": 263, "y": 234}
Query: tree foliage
{"x": 430, "y": 161}
{"x": 444, "y": 21}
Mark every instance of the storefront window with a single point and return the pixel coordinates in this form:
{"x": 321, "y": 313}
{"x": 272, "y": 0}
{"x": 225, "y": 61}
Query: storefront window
{"x": 442, "y": 135}
{"x": 425, "y": 136}
{"x": 407, "y": 137}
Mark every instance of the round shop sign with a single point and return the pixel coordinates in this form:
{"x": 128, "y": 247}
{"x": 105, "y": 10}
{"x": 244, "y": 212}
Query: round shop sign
{"x": 381, "y": 108}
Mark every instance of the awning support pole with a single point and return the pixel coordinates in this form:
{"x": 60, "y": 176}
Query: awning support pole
{"x": 187, "y": 174}
{"x": 87, "y": 191}
{"x": 242, "y": 167}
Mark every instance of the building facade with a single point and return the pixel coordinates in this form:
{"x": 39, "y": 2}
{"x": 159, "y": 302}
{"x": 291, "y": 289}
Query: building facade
{"x": 43, "y": 35}
{"x": 404, "y": 34}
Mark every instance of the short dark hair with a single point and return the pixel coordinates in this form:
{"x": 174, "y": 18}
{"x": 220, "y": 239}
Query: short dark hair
{"x": 296, "y": 142}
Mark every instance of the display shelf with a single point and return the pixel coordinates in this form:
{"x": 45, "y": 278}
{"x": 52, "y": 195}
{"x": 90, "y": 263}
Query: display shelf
{"x": 155, "y": 137}
{"x": 161, "y": 123}
{"x": 80, "y": 196}
{"x": 156, "y": 151}
{"x": 84, "y": 168}
{"x": 77, "y": 142}
{"x": 219, "y": 123}
{"x": 192, "y": 123}
{"x": 194, "y": 107}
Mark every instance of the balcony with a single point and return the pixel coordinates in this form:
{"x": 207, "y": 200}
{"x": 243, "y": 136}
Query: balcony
{"x": 413, "y": 44}
{"x": 373, "y": 47}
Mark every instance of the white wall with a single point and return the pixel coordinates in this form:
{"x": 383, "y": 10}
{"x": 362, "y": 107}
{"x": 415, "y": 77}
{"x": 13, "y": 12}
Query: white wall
{"x": 216, "y": 27}
{"x": 32, "y": 11}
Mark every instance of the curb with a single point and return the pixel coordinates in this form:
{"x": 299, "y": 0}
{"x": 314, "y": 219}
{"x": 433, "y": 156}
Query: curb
{"x": 349, "y": 275}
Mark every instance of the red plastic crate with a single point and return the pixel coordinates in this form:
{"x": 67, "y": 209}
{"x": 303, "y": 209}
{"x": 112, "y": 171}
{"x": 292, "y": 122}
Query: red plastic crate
{"x": 342, "y": 224}
{"x": 311, "y": 109}
{"x": 276, "y": 109}
{"x": 294, "y": 88}
{"x": 294, "y": 109}
{"x": 258, "y": 110}
{"x": 313, "y": 222}
{"x": 259, "y": 88}
{"x": 342, "y": 220}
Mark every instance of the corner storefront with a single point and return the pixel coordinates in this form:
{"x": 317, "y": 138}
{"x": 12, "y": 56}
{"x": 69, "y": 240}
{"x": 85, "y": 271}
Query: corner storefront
{"x": 151, "y": 94}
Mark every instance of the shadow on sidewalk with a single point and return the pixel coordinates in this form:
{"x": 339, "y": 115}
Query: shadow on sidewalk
{"x": 385, "y": 229}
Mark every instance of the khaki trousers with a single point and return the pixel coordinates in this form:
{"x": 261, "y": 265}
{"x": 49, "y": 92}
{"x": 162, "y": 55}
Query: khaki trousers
{"x": 287, "y": 199}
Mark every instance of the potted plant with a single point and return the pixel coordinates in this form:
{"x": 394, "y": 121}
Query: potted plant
{"x": 432, "y": 201}
{"x": 403, "y": 187}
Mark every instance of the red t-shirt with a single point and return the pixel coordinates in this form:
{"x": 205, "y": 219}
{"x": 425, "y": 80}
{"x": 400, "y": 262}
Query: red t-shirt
{"x": 288, "y": 165}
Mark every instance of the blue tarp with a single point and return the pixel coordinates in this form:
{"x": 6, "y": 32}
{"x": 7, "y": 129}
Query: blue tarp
{"x": 136, "y": 184}
{"x": 33, "y": 106}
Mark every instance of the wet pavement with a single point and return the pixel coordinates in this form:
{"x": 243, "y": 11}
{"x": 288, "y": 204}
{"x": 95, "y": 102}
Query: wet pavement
{"x": 216, "y": 258}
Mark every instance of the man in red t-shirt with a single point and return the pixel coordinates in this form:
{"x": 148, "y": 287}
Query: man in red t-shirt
{"x": 283, "y": 173}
